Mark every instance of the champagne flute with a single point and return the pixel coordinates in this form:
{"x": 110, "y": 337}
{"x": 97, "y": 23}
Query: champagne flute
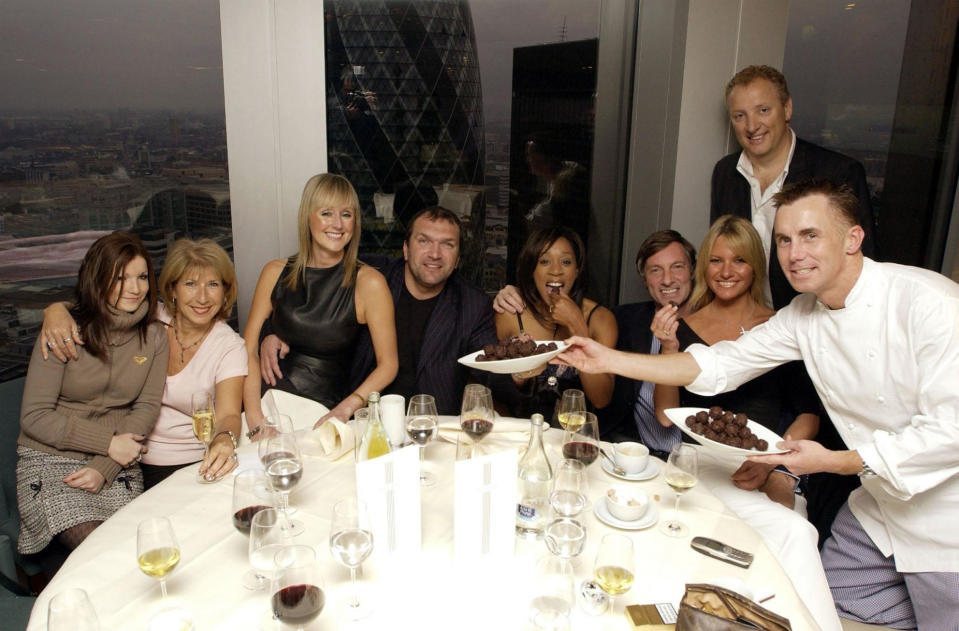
{"x": 71, "y": 610}
{"x": 572, "y": 410}
{"x": 583, "y": 444}
{"x": 682, "y": 469}
{"x": 284, "y": 468}
{"x": 250, "y": 495}
{"x": 157, "y": 549}
{"x": 476, "y": 417}
{"x": 298, "y": 596}
{"x": 568, "y": 496}
{"x": 351, "y": 542}
{"x": 421, "y": 422}
{"x": 204, "y": 424}
{"x": 266, "y": 539}
{"x": 615, "y": 566}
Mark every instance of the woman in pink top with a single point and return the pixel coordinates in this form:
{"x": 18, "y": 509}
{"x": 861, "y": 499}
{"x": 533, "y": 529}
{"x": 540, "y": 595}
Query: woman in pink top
{"x": 198, "y": 287}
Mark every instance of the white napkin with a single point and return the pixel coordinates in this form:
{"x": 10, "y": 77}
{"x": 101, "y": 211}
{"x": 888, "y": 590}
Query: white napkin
{"x": 333, "y": 439}
{"x": 504, "y": 429}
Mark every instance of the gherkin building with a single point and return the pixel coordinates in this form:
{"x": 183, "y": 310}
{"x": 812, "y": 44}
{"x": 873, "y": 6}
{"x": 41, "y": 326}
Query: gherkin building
{"x": 404, "y": 113}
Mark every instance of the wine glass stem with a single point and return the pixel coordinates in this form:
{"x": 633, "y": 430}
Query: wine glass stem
{"x": 163, "y": 587}
{"x": 422, "y": 453}
{"x": 676, "y": 508}
{"x": 356, "y": 596}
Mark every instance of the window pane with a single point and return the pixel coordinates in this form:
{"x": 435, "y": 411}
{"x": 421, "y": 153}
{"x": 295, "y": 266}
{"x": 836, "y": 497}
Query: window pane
{"x": 111, "y": 117}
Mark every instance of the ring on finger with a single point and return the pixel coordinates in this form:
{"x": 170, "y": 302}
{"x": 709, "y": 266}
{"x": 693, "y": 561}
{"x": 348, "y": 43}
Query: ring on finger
{"x": 67, "y": 339}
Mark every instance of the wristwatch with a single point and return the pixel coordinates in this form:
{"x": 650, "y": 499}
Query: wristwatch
{"x": 228, "y": 433}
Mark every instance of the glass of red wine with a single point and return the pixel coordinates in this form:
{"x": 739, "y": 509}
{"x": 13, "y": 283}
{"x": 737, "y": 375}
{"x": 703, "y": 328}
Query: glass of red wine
{"x": 250, "y": 495}
{"x": 583, "y": 444}
{"x": 297, "y": 595}
{"x": 476, "y": 417}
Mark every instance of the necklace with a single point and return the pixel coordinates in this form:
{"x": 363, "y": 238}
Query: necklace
{"x": 185, "y": 348}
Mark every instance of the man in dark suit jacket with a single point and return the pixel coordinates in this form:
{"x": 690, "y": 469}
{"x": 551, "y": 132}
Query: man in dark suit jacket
{"x": 665, "y": 262}
{"x": 743, "y": 183}
{"x": 439, "y": 317}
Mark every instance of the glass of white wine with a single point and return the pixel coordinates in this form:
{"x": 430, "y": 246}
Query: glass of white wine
{"x": 421, "y": 422}
{"x": 157, "y": 549}
{"x": 682, "y": 470}
{"x": 572, "y": 410}
{"x": 615, "y": 565}
{"x": 351, "y": 542}
{"x": 204, "y": 425}
{"x": 71, "y": 610}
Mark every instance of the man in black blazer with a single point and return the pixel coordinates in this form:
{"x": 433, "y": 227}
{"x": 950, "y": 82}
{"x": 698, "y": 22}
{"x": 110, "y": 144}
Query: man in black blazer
{"x": 440, "y": 317}
{"x": 665, "y": 262}
{"x": 744, "y": 182}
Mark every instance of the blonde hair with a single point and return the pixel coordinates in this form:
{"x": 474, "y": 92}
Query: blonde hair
{"x": 325, "y": 190}
{"x": 187, "y": 255}
{"x": 742, "y": 238}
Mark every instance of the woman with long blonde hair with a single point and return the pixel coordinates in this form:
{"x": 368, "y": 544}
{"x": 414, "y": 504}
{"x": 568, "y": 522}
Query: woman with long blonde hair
{"x": 317, "y": 301}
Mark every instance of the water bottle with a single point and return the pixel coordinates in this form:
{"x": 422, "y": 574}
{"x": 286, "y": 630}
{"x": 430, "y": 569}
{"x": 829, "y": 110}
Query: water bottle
{"x": 535, "y": 474}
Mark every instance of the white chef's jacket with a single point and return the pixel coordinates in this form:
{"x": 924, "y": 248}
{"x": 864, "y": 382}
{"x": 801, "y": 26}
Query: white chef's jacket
{"x": 886, "y": 367}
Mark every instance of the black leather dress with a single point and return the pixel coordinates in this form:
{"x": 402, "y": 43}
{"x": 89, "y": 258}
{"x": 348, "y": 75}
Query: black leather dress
{"x": 318, "y": 322}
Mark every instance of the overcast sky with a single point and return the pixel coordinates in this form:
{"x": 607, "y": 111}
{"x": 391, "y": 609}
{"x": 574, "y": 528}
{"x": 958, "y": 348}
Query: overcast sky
{"x": 65, "y": 54}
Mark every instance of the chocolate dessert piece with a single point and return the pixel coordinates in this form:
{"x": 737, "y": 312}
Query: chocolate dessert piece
{"x": 726, "y": 427}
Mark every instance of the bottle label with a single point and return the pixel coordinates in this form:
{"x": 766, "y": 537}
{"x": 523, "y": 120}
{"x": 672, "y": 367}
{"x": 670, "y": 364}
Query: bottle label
{"x": 526, "y": 513}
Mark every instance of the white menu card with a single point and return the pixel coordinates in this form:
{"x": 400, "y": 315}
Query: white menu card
{"x": 484, "y": 521}
{"x": 390, "y": 487}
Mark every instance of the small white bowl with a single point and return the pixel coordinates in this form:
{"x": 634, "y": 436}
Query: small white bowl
{"x": 626, "y": 503}
{"x": 631, "y": 457}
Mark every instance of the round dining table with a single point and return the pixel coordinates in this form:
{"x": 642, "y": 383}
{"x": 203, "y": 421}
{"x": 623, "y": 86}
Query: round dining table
{"x": 427, "y": 590}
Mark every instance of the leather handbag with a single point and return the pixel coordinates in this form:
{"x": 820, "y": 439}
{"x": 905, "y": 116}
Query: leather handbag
{"x": 712, "y": 608}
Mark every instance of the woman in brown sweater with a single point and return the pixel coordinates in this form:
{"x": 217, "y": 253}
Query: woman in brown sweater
{"x": 82, "y": 424}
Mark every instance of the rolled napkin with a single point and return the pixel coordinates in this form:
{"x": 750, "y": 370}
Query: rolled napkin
{"x": 504, "y": 429}
{"x": 333, "y": 439}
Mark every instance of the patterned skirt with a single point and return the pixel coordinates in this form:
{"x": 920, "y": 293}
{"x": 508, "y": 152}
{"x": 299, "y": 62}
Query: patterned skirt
{"x": 48, "y": 506}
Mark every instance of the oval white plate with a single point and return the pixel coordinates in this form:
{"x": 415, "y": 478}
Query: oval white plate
{"x": 650, "y": 472}
{"x": 649, "y": 518}
{"x": 508, "y": 366}
{"x": 678, "y": 417}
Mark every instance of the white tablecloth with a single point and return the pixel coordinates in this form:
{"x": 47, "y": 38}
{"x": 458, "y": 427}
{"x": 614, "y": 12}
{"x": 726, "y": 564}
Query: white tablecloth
{"x": 430, "y": 591}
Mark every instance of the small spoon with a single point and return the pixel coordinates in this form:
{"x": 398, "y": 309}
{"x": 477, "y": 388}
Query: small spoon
{"x": 616, "y": 468}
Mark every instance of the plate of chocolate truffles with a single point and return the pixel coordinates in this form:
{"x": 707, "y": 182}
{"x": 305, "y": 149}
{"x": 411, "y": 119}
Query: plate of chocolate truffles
{"x": 517, "y": 353}
{"x": 725, "y": 430}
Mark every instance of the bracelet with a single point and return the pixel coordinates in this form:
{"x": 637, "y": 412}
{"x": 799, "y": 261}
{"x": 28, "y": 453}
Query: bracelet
{"x": 230, "y": 434}
{"x": 253, "y": 432}
{"x": 358, "y": 396}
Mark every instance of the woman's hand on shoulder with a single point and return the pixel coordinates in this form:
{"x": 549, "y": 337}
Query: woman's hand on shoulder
{"x": 664, "y": 326}
{"x": 59, "y": 333}
{"x": 86, "y": 479}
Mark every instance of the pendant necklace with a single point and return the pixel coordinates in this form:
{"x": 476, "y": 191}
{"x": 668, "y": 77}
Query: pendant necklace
{"x": 184, "y": 349}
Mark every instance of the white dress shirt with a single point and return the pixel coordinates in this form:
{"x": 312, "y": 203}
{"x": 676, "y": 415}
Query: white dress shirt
{"x": 886, "y": 367}
{"x": 763, "y": 210}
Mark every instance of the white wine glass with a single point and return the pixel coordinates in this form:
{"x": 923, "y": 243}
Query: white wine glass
{"x": 421, "y": 423}
{"x": 71, "y": 610}
{"x": 681, "y": 473}
{"x": 568, "y": 495}
{"x": 284, "y": 468}
{"x": 476, "y": 412}
{"x": 204, "y": 425}
{"x": 266, "y": 539}
{"x": 297, "y": 596}
{"x": 615, "y": 565}
{"x": 572, "y": 410}
{"x": 157, "y": 549}
{"x": 273, "y": 425}
{"x": 351, "y": 542}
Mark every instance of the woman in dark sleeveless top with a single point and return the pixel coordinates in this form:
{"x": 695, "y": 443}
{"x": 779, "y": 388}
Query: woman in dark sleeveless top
{"x": 317, "y": 302}
{"x": 551, "y": 278}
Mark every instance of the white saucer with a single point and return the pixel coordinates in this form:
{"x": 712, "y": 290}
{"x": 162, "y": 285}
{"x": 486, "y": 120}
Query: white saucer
{"x": 650, "y": 472}
{"x": 648, "y": 519}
